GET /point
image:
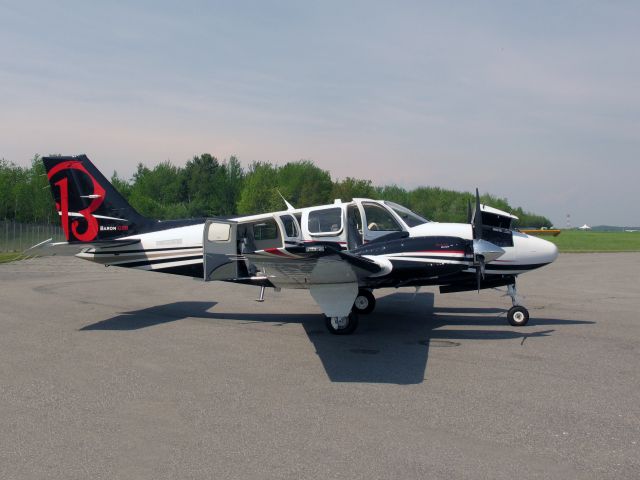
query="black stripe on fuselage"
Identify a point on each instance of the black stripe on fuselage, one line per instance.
(433, 244)
(167, 249)
(143, 263)
(511, 268)
(195, 270)
(413, 256)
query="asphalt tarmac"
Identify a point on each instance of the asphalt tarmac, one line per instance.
(121, 374)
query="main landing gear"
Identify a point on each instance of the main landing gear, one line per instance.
(518, 316)
(364, 303)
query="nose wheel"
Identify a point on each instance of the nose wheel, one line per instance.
(518, 316)
(342, 325)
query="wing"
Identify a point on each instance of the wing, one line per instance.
(332, 276)
(327, 265)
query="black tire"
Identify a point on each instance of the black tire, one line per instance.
(518, 316)
(365, 302)
(348, 329)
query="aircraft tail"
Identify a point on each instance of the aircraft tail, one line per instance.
(90, 208)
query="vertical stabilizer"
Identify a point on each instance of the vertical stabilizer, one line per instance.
(90, 208)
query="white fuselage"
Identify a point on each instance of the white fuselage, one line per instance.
(165, 250)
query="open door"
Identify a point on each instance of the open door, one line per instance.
(377, 220)
(220, 250)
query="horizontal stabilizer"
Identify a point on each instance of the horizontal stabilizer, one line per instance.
(50, 248)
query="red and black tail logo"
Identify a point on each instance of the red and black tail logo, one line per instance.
(89, 207)
(85, 227)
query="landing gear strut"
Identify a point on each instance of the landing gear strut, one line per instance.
(517, 315)
(365, 302)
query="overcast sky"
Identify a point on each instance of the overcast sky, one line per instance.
(538, 102)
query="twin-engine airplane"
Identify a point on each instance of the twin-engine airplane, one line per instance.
(339, 252)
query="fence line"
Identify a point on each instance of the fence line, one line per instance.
(18, 236)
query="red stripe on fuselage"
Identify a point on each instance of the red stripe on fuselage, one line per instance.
(275, 251)
(457, 252)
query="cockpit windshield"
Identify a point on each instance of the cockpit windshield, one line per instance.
(410, 218)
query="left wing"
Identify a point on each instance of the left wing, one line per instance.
(315, 265)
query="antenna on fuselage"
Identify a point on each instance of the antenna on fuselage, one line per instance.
(289, 206)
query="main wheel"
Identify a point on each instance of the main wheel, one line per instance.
(365, 302)
(518, 316)
(342, 325)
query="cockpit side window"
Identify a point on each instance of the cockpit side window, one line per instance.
(378, 218)
(410, 218)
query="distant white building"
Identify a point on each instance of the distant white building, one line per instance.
(584, 227)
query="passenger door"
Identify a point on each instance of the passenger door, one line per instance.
(220, 250)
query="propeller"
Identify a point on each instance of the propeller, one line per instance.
(477, 220)
(476, 227)
(483, 250)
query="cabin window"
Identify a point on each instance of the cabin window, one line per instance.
(267, 230)
(327, 221)
(290, 226)
(219, 232)
(379, 219)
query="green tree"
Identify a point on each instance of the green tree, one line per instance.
(206, 186)
(259, 191)
(303, 184)
(121, 185)
(351, 188)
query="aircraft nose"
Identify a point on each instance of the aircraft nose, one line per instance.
(549, 250)
(534, 250)
(544, 250)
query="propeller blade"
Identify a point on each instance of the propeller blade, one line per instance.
(479, 271)
(469, 213)
(477, 221)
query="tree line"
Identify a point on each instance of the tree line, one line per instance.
(206, 186)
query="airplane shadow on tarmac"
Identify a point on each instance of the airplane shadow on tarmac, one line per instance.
(391, 345)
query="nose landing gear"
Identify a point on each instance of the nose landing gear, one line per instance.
(364, 303)
(518, 316)
(342, 325)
